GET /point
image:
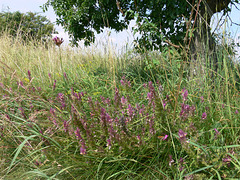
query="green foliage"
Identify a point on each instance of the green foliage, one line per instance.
(47, 94)
(157, 20)
(27, 25)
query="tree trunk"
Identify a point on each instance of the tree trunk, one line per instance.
(202, 45)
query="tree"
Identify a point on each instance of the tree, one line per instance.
(27, 25)
(157, 20)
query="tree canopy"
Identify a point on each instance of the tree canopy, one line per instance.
(28, 25)
(157, 20)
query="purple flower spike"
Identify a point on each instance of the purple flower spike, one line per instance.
(236, 112)
(29, 75)
(185, 95)
(57, 41)
(204, 115)
(83, 149)
(182, 136)
(77, 133)
(65, 75)
(109, 143)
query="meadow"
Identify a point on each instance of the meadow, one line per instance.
(87, 114)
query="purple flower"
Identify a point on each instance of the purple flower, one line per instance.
(227, 160)
(65, 75)
(202, 99)
(204, 115)
(77, 133)
(57, 41)
(54, 85)
(29, 75)
(236, 112)
(123, 100)
(83, 148)
(217, 132)
(182, 136)
(164, 104)
(130, 111)
(185, 94)
(109, 143)
(151, 126)
(52, 111)
(163, 137)
(66, 125)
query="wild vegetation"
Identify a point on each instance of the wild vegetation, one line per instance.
(88, 115)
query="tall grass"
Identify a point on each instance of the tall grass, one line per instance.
(87, 115)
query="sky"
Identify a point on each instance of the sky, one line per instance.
(118, 40)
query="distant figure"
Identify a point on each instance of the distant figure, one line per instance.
(58, 41)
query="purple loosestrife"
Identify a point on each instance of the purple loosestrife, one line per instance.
(204, 115)
(52, 111)
(130, 112)
(65, 75)
(117, 99)
(65, 125)
(103, 119)
(53, 119)
(87, 130)
(29, 75)
(61, 99)
(54, 84)
(106, 101)
(184, 94)
(151, 126)
(78, 135)
(83, 150)
(182, 136)
(109, 145)
(125, 82)
(58, 41)
(123, 101)
(141, 111)
(186, 111)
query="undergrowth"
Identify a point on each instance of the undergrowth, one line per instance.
(82, 115)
